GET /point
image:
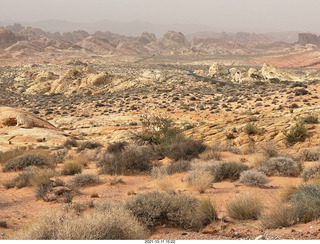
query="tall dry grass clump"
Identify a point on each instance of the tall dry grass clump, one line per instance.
(245, 206)
(112, 223)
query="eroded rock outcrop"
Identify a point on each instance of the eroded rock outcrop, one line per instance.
(15, 117)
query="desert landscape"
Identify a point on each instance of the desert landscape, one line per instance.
(210, 136)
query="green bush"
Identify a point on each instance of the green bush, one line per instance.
(87, 179)
(26, 160)
(281, 166)
(157, 130)
(311, 119)
(296, 133)
(227, 170)
(244, 206)
(113, 223)
(251, 129)
(131, 159)
(253, 178)
(155, 208)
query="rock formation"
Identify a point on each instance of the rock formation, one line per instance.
(15, 117)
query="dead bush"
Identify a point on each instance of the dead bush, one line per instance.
(279, 216)
(210, 154)
(88, 145)
(244, 206)
(199, 179)
(269, 150)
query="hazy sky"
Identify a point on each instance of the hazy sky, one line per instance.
(242, 15)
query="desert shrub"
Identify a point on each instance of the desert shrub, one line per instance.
(178, 167)
(279, 216)
(159, 172)
(157, 130)
(132, 158)
(287, 191)
(81, 180)
(227, 170)
(306, 202)
(182, 148)
(88, 145)
(269, 149)
(72, 167)
(199, 179)
(25, 160)
(165, 183)
(311, 119)
(117, 147)
(296, 132)
(42, 189)
(98, 225)
(70, 143)
(21, 180)
(250, 129)
(226, 148)
(310, 172)
(155, 208)
(58, 157)
(13, 153)
(210, 154)
(3, 224)
(308, 154)
(253, 178)
(208, 210)
(282, 166)
(244, 206)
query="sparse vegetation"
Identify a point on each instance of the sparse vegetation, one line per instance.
(278, 216)
(88, 145)
(253, 178)
(155, 208)
(296, 132)
(71, 167)
(269, 149)
(131, 159)
(244, 206)
(210, 154)
(106, 224)
(199, 179)
(282, 166)
(26, 160)
(311, 172)
(250, 129)
(308, 154)
(84, 179)
(311, 119)
(182, 148)
(157, 130)
(227, 170)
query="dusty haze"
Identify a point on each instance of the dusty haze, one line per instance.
(199, 15)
